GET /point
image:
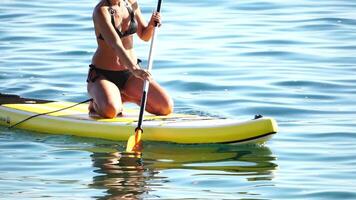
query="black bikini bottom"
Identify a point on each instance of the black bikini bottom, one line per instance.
(119, 78)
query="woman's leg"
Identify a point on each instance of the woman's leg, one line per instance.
(158, 100)
(106, 98)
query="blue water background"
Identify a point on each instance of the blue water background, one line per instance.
(294, 61)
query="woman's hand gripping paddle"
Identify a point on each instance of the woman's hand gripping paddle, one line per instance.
(134, 143)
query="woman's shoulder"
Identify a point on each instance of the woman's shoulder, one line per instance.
(132, 1)
(100, 10)
(133, 4)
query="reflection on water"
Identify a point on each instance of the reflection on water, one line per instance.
(124, 176)
(121, 175)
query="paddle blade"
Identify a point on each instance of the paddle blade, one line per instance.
(134, 143)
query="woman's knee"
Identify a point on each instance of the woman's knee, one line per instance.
(164, 107)
(168, 107)
(110, 110)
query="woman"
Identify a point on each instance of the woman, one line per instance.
(115, 76)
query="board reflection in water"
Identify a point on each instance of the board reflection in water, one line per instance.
(124, 176)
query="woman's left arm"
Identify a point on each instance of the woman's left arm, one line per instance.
(144, 30)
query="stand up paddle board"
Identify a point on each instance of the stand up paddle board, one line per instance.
(176, 128)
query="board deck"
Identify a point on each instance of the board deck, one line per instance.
(177, 128)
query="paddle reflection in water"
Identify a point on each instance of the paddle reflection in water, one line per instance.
(162, 164)
(122, 175)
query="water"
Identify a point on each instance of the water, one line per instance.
(291, 60)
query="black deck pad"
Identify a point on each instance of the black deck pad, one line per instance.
(14, 99)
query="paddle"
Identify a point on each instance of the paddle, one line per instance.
(134, 141)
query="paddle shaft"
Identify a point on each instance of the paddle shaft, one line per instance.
(149, 68)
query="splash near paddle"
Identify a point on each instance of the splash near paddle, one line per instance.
(134, 143)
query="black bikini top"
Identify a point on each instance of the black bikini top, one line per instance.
(132, 27)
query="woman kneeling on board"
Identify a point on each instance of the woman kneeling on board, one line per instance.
(115, 76)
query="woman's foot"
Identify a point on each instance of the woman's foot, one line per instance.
(92, 112)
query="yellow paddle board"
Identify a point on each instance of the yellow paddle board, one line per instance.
(176, 128)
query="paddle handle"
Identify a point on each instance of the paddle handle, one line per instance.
(159, 5)
(149, 68)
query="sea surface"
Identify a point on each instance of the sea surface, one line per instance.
(294, 61)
